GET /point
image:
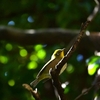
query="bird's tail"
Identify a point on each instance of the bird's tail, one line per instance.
(34, 83)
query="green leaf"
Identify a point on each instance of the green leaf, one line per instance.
(93, 64)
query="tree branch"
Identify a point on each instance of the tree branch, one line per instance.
(44, 36)
(84, 92)
(54, 73)
(72, 48)
(33, 92)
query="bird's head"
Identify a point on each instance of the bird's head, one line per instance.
(59, 53)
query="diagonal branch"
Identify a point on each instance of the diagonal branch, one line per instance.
(72, 48)
(95, 11)
(58, 67)
(54, 73)
(33, 92)
(75, 44)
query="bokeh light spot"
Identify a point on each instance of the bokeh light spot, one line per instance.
(8, 46)
(41, 54)
(32, 65)
(51, 5)
(79, 57)
(30, 19)
(70, 68)
(11, 23)
(23, 52)
(96, 98)
(66, 90)
(33, 57)
(3, 59)
(11, 82)
(98, 72)
(38, 47)
(63, 85)
(6, 73)
(87, 33)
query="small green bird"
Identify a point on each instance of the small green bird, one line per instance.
(44, 72)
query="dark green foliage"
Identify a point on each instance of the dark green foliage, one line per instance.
(17, 68)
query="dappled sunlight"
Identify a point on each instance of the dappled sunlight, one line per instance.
(3, 59)
(6, 74)
(32, 65)
(11, 82)
(98, 72)
(66, 90)
(30, 19)
(93, 64)
(91, 69)
(38, 47)
(70, 68)
(8, 46)
(97, 53)
(41, 54)
(31, 30)
(11, 23)
(64, 85)
(23, 52)
(87, 33)
(33, 57)
(79, 57)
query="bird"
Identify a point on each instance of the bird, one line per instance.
(44, 72)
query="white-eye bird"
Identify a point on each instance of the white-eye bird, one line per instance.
(44, 72)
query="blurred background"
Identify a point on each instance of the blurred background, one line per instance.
(20, 63)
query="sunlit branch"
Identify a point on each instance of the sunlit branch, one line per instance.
(33, 92)
(58, 67)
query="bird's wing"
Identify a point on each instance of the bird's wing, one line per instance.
(45, 67)
(63, 68)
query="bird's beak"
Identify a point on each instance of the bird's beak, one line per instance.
(64, 50)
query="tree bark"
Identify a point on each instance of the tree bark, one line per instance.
(49, 37)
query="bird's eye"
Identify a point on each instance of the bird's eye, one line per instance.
(58, 53)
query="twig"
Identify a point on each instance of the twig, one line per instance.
(95, 87)
(33, 92)
(95, 11)
(83, 93)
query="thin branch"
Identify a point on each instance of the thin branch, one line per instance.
(33, 92)
(95, 11)
(94, 87)
(58, 67)
(83, 93)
